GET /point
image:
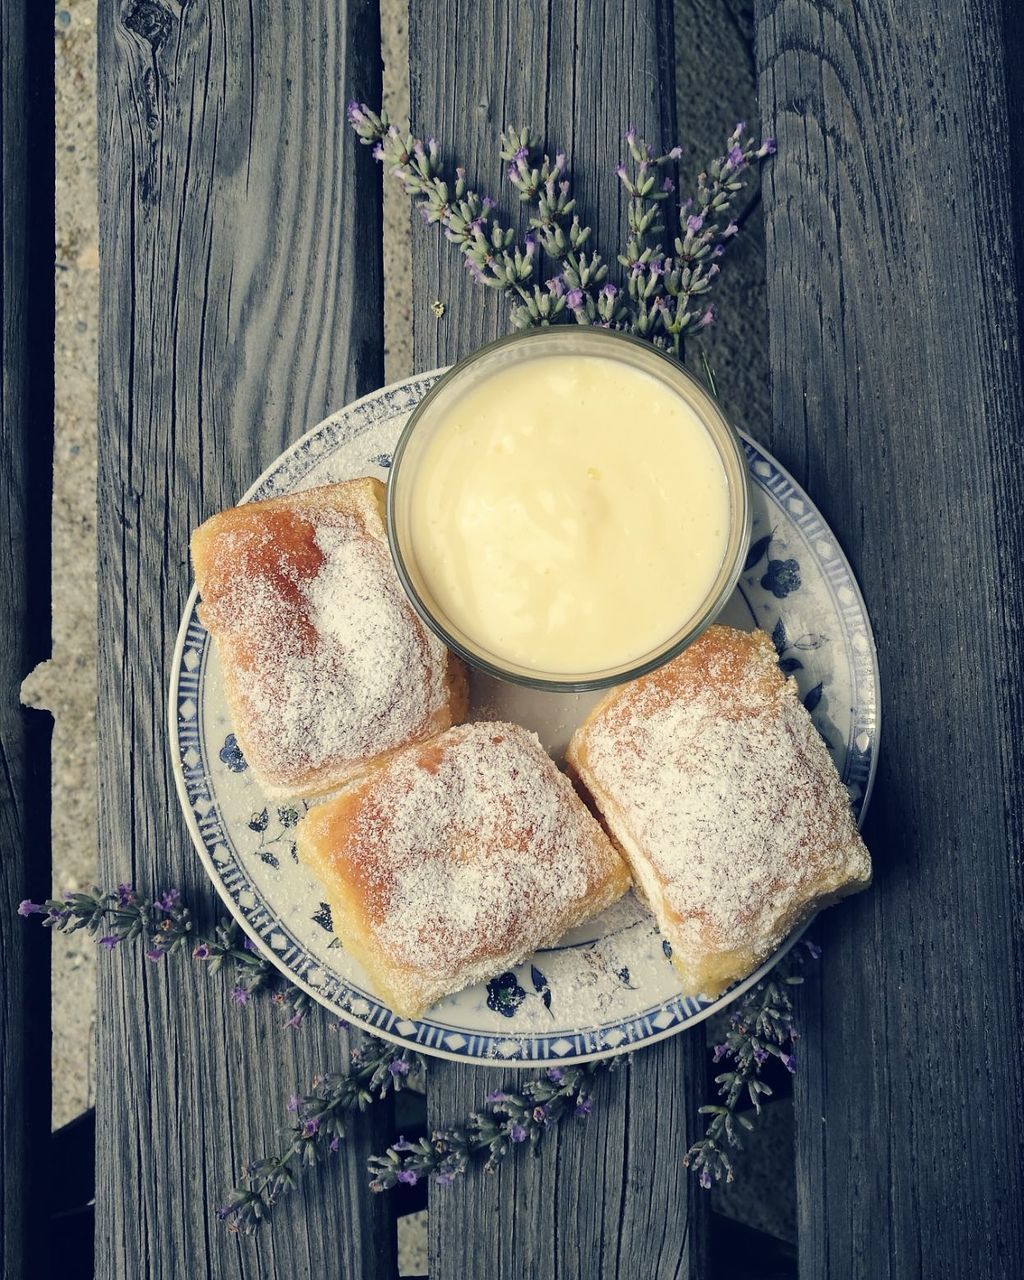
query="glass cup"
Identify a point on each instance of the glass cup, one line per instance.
(567, 340)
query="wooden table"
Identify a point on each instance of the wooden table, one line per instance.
(241, 301)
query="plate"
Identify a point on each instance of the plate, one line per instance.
(608, 987)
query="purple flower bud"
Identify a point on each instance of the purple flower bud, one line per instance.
(496, 1096)
(403, 1144)
(293, 1102)
(718, 250)
(720, 1051)
(250, 945)
(110, 942)
(730, 229)
(788, 1060)
(445, 1178)
(125, 894)
(739, 130)
(705, 1178)
(408, 1176)
(431, 144)
(559, 161)
(517, 1133)
(309, 1128)
(694, 223)
(28, 908)
(334, 1144)
(355, 113)
(377, 152)
(239, 995)
(686, 206)
(460, 173)
(767, 148)
(708, 318)
(201, 952)
(610, 292)
(154, 954)
(513, 173)
(556, 1074)
(760, 1056)
(735, 157)
(675, 153)
(574, 299)
(555, 286)
(419, 150)
(488, 204)
(637, 269)
(584, 1107)
(668, 185)
(813, 948)
(631, 135)
(530, 245)
(399, 1067)
(522, 154)
(294, 1021)
(168, 900)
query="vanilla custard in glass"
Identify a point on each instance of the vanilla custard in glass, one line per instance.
(570, 513)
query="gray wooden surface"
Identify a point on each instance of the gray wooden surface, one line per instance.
(608, 1197)
(894, 280)
(241, 300)
(26, 357)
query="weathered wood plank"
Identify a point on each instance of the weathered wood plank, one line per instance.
(241, 301)
(609, 1197)
(26, 356)
(894, 276)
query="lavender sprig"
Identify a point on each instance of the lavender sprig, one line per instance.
(320, 1125)
(665, 299)
(164, 925)
(509, 1120)
(669, 291)
(492, 256)
(763, 1025)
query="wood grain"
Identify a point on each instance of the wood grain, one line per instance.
(894, 277)
(609, 1197)
(241, 301)
(26, 356)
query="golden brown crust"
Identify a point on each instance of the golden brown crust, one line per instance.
(716, 787)
(455, 860)
(326, 667)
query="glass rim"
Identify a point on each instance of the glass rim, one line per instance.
(726, 442)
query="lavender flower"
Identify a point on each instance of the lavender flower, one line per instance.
(317, 1130)
(761, 1026)
(109, 942)
(28, 908)
(239, 995)
(517, 1133)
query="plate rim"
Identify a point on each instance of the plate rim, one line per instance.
(437, 1051)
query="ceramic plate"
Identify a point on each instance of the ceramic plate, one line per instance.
(608, 987)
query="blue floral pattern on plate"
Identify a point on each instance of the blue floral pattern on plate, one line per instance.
(608, 987)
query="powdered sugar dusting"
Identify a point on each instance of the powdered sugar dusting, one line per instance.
(332, 666)
(473, 851)
(718, 776)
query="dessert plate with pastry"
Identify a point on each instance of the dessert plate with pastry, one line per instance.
(520, 737)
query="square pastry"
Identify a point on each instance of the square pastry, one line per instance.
(717, 788)
(455, 860)
(327, 667)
